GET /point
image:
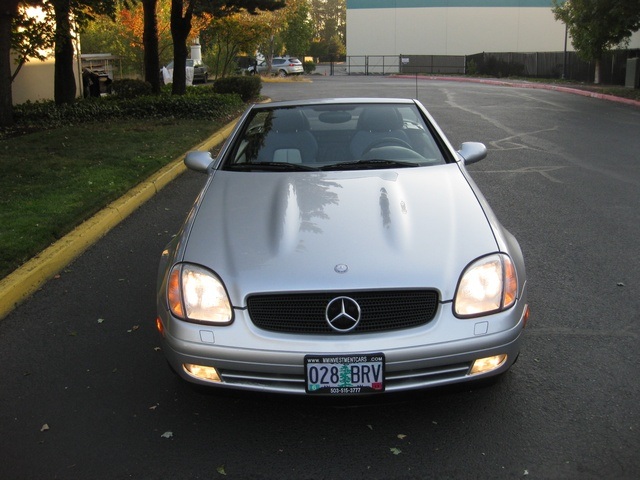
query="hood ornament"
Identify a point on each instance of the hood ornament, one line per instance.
(341, 268)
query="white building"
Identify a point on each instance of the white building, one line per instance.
(454, 27)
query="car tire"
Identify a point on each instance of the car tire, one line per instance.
(282, 73)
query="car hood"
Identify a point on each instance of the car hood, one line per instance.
(316, 231)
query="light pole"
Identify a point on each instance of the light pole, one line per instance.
(564, 61)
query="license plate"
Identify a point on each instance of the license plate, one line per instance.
(344, 374)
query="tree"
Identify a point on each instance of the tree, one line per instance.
(329, 20)
(7, 12)
(26, 36)
(298, 31)
(140, 36)
(182, 13)
(64, 84)
(31, 38)
(69, 16)
(598, 26)
(231, 36)
(151, 46)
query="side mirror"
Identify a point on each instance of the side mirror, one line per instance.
(472, 152)
(198, 161)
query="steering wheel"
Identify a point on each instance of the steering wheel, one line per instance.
(387, 142)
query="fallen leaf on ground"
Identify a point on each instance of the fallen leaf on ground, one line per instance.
(401, 436)
(221, 470)
(167, 435)
(45, 427)
(396, 451)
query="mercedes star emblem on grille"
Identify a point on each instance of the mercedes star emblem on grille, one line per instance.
(343, 314)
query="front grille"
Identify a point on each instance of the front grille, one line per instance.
(304, 313)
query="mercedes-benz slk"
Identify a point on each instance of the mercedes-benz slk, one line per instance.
(340, 247)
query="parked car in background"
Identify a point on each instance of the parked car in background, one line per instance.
(281, 66)
(200, 71)
(340, 247)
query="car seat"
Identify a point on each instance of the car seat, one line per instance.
(289, 139)
(374, 124)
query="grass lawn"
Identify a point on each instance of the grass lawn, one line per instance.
(50, 181)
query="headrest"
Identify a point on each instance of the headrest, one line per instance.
(380, 119)
(288, 121)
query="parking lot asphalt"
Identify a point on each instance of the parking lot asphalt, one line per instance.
(20, 284)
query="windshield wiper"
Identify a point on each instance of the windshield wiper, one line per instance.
(270, 166)
(369, 164)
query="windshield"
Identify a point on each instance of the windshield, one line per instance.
(335, 137)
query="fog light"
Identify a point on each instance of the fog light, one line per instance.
(488, 364)
(202, 372)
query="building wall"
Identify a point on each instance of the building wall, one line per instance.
(35, 81)
(453, 27)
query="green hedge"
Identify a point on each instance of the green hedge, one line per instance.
(129, 88)
(204, 105)
(248, 87)
(309, 67)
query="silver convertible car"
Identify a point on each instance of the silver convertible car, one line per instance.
(339, 247)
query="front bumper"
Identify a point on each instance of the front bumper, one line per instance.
(436, 354)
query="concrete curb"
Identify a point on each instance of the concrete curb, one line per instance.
(24, 281)
(532, 85)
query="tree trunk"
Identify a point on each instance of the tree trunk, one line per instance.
(7, 11)
(64, 86)
(180, 28)
(596, 79)
(150, 41)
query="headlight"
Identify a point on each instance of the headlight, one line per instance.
(194, 293)
(487, 285)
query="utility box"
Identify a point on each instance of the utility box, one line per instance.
(632, 79)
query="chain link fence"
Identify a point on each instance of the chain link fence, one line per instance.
(567, 65)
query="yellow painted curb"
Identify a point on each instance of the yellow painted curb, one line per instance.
(22, 282)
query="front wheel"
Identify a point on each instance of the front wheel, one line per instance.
(282, 73)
